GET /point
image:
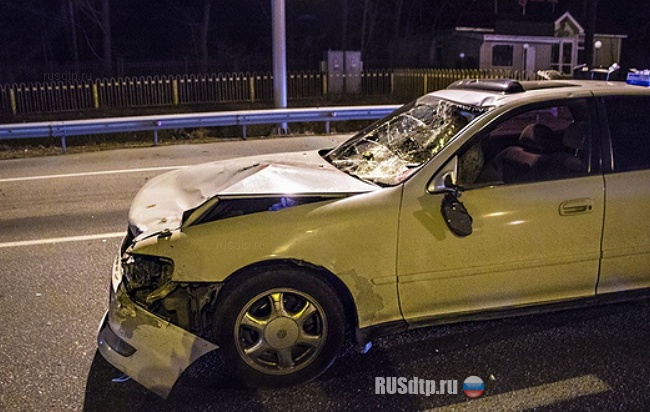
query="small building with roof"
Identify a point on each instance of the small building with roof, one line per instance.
(527, 42)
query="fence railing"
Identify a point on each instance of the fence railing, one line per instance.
(411, 83)
(125, 92)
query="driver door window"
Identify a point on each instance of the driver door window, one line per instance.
(541, 144)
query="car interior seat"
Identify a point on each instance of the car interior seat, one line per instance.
(569, 161)
(530, 160)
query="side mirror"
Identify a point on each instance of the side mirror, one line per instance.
(453, 211)
(445, 179)
(456, 216)
(449, 182)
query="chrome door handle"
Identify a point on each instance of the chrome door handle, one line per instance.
(576, 207)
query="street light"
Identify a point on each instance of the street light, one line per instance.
(279, 58)
(597, 45)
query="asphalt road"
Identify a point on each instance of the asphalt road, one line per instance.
(61, 220)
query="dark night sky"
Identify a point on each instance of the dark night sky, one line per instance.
(36, 31)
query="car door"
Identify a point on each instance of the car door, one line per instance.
(535, 238)
(626, 237)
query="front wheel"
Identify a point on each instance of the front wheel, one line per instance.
(279, 327)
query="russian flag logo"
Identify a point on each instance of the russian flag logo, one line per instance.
(473, 387)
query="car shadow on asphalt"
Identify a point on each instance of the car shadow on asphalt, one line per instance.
(509, 354)
(206, 386)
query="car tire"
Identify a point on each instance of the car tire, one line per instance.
(277, 327)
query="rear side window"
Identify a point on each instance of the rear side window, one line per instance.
(629, 126)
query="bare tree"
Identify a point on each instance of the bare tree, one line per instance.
(345, 14)
(203, 37)
(107, 42)
(100, 17)
(450, 8)
(399, 5)
(70, 14)
(196, 18)
(589, 12)
(368, 24)
(45, 23)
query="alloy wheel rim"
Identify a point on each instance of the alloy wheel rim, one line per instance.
(280, 331)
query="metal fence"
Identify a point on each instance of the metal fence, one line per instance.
(125, 92)
(407, 84)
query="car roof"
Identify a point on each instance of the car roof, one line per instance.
(497, 92)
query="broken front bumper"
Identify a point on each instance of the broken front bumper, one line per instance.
(144, 346)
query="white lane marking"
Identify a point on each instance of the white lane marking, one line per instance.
(103, 172)
(62, 240)
(533, 397)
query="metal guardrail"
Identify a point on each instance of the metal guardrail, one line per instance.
(64, 129)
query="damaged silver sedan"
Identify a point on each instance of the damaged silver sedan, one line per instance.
(271, 260)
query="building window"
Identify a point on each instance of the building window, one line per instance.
(502, 55)
(562, 57)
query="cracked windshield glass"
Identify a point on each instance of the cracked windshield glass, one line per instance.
(389, 151)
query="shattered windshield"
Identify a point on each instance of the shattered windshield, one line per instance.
(392, 149)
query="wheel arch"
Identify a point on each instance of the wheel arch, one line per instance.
(344, 295)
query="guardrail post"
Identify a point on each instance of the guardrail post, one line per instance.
(12, 99)
(95, 96)
(155, 132)
(64, 146)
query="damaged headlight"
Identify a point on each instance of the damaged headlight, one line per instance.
(147, 278)
(148, 282)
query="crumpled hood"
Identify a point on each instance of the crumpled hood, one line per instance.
(161, 202)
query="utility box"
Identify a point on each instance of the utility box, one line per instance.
(344, 69)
